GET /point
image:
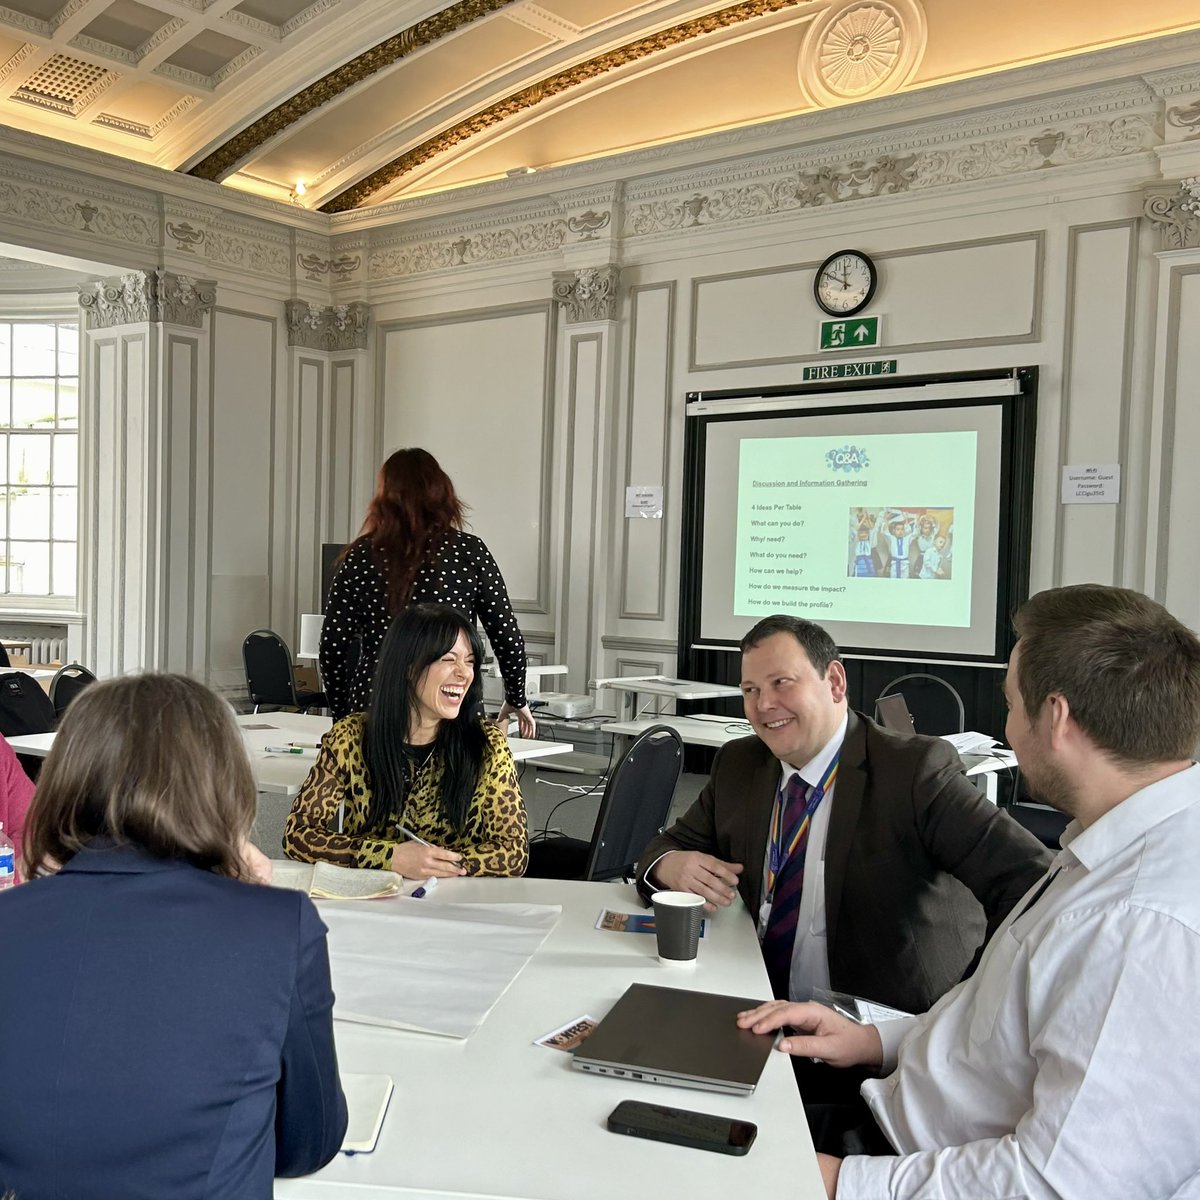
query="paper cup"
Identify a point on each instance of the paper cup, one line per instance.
(677, 920)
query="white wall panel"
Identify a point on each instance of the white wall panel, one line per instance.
(473, 390)
(242, 472)
(1096, 391)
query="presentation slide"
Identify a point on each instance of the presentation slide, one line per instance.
(876, 529)
(882, 525)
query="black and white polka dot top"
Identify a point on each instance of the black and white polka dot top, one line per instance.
(462, 573)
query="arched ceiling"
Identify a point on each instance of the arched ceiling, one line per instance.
(365, 101)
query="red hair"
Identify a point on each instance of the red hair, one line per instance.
(413, 509)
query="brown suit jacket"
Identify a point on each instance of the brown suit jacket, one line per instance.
(919, 865)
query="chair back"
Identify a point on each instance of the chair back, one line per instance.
(935, 704)
(636, 803)
(24, 707)
(269, 675)
(4, 660)
(67, 684)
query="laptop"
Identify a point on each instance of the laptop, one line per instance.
(893, 713)
(677, 1037)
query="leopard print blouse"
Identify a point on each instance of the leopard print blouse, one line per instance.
(493, 841)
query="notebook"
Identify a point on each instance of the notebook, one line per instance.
(677, 1037)
(367, 1099)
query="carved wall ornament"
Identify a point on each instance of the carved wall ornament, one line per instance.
(1175, 213)
(861, 48)
(589, 294)
(361, 192)
(186, 237)
(415, 257)
(588, 224)
(1186, 118)
(343, 267)
(333, 327)
(313, 266)
(1047, 143)
(143, 297)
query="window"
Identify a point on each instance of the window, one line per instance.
(39, 462)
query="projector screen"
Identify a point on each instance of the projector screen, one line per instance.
(889, 522)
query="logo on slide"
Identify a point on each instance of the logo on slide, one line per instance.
(848, 458)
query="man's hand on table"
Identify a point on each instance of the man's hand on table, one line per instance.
(702, 874)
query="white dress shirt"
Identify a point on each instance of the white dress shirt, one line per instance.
(1069, 1064)
(810, 951)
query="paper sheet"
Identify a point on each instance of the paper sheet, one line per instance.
(433, 968)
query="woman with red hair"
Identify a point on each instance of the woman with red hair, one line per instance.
(412, 548)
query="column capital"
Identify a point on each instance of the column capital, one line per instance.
(1174, 211)
(142, 297)
(589, 294)
(332, 327)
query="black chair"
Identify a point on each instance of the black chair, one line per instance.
(24, 706)
(1046, 824)
(67, 684)
(936, 707)
(4, 662)
(270, 678)
(634, 808)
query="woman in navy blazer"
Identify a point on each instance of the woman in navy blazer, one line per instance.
(165, 1026)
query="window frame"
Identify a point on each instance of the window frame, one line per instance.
(58, 308)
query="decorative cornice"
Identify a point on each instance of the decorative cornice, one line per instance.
(147, 297)
(589, 294)
(332, 328)
(553, 85)
(440, 25)
(1174, 211)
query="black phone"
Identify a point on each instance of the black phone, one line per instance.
(701, 1131)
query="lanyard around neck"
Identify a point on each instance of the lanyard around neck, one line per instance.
(783, 841)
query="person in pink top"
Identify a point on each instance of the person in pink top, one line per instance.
(16, 791)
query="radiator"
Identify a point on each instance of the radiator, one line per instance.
(47, 650)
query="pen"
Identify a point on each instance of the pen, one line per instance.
(283, 749)
(412, 837)
(305, 745)
(425, 888)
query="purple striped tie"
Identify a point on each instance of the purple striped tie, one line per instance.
(781, 925)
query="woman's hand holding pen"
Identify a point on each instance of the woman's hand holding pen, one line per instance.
(418, 859)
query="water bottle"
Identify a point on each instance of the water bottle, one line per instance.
(7, 861)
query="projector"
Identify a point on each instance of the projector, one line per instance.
(566, 705)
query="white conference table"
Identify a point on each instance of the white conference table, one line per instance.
(497, 1116)
(662, 687)
(284, 774)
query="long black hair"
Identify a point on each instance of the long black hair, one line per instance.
(418, 636)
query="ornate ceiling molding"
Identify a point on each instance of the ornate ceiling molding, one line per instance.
(330, 328)
(147, 296)
(1174, 211)
(226, 157)
(553, 85)
(589, 294)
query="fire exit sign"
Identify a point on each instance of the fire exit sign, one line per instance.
(849, 333)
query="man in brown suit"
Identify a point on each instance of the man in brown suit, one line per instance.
(906, 863)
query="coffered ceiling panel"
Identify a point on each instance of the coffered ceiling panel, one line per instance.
(368, 100)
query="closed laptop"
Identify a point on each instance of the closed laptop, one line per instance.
(677, 1037)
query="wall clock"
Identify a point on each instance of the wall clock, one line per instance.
(845, 283)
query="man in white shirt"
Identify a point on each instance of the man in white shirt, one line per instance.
(1067, 1065)
(903, 862)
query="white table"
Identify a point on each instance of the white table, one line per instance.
(700, 730)
(660, 687)
(284, 774)
(496, 1116)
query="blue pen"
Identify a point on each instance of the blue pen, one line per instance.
(425, 888)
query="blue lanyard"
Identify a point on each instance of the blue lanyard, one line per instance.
(784, 845)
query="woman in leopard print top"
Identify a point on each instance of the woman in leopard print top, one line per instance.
(426, 786)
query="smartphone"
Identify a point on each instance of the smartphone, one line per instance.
(701, 1131)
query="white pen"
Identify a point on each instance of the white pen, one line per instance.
(412, 837)
(284, 750)
(425, 888)
(306, 745)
